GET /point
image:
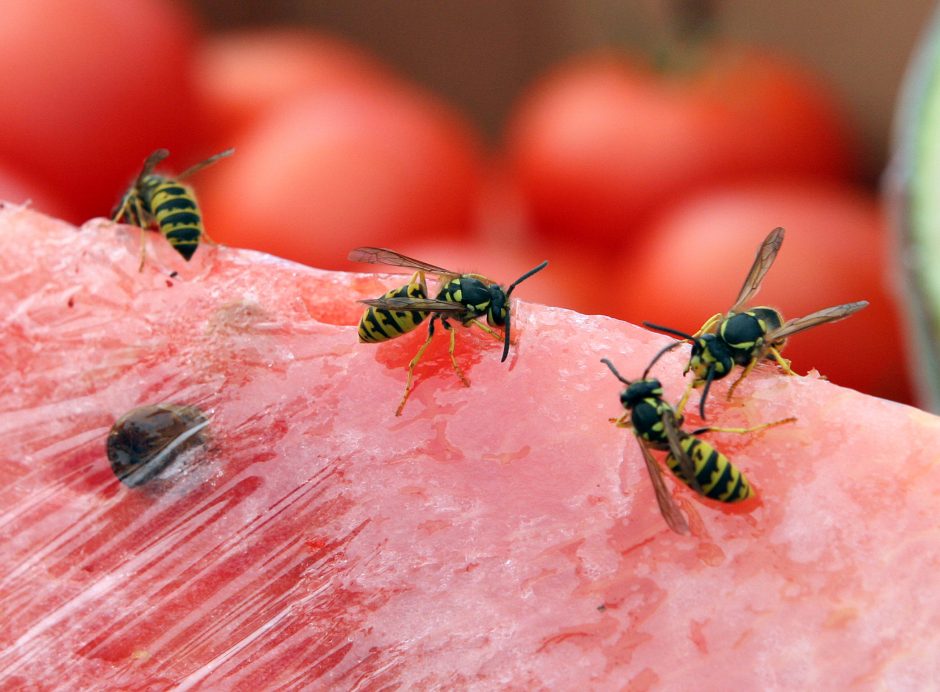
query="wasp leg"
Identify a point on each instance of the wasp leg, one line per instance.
(486, 328)
(783, 362)
(420, 279)
(709, 324)
(453, 360)
(744, 373)
(143, 249)
(623, 421)
(137, 215)
(409, 385)
(680, 407)
(744, 431)
(122, 210)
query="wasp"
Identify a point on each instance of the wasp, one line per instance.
(657, 425)
(463, 298)
(746, 337)
(168, 204)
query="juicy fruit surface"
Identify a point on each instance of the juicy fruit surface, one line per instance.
(503, 535)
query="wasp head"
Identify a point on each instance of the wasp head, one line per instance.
(638, 391)
(710, 359)
(498, 313)
(498, 309)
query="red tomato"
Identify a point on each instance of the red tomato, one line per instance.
(92, 88)
(17, 188)
(339, 168)
(604, 142)
(242, 75)
(695, 259)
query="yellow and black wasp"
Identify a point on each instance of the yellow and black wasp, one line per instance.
(168, 204)
(745, 337)
(657, 425)
(464, 298)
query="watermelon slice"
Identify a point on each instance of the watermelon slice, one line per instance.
(502, 535)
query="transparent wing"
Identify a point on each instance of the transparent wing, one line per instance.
(152, 162)
(415, 304)
(766, 254)
(667, 506)
(674, 436)
(798, 324)
(202, 164)
(379, 255)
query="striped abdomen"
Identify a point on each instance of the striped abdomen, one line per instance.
(720, 479)
(380, 324)
(173, 208)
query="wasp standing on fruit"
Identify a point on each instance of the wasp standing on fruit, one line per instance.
(746, 337)
(464, 298)
(167, 203)
(657, 425)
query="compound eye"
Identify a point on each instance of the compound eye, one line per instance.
(698, 367)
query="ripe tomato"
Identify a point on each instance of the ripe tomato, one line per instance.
(17, 188)
(92, 88)
(602, 143)
(694, 261)
(338, 168)
(240, 76)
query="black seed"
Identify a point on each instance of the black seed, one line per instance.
(147, 440)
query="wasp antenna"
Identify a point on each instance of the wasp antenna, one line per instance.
(668, 330)
(208, 162)
(157, 156)
(708, 385)
(662, 351)
(620, 377)
(526, 276)
(505, 338)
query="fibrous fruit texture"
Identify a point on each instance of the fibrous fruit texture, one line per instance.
(499, 535)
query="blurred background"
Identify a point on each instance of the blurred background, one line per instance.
(644, 147)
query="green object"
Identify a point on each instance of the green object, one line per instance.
(913, 182)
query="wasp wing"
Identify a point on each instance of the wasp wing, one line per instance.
(152, 162)
(380, 255)
(405, 303)
(798, 324)
(667, 506)
(766, 254)
(685, 463)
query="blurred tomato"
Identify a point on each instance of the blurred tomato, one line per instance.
(17, 188)
(240, 76)
(338, 168)
(91, 88)
(695, 259)
(604, 142)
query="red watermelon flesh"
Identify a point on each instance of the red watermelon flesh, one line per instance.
(502, 535)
